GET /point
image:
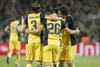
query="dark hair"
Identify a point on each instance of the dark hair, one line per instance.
(54, 10)
(36, 7)
(64, 10)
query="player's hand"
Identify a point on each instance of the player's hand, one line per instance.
(27, 31)
(77, 30)
(61, 19)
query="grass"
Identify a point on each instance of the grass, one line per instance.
(91, 61)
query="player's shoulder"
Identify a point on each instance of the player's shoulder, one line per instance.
(42, 15)
(12, 22)
(70, 17)
(30, 14)
(15, 22)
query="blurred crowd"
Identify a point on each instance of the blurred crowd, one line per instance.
(85, 12)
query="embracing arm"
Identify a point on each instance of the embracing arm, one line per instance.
(35, 31)
(72, 31)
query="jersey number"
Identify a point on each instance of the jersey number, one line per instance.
(34, 24)
(54, 28)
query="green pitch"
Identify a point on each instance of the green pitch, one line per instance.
(93, 61)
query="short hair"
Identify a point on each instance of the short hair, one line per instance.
(54, 10)
(64, 10)
(36, 7)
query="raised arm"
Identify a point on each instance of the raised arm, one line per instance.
(22, 27)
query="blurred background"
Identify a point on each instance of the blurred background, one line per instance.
(85, 12)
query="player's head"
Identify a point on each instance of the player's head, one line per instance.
(63, 11)
(36, 7)
(55, 10)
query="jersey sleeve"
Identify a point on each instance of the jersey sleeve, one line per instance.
(71, 23)
(43, 20)
(63, 24)
(26, 20)
(42, 16)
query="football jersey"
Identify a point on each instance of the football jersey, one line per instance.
(13, 30)
(32, 21)
(66, 37)
(53, 31)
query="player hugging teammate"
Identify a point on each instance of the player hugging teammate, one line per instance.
(50, 38)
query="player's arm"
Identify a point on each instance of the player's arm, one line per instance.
(35, 31)
(72, 31)
(23, 25)
(71, 23)
(7, 29)
(19, 26)
(64, 26)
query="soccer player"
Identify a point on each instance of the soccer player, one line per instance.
(52, 38)
(13, 40)
(68, 40)
(33, 42)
